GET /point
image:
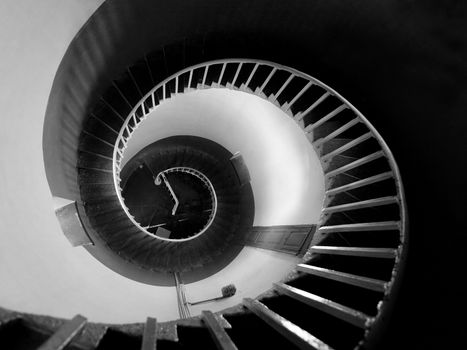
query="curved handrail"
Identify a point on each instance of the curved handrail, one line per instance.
(198, 174)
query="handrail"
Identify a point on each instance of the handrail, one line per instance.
(198, 174)
(125, 129)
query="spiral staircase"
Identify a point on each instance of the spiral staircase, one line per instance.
(341, 294)
(347, 277)
(140, 245)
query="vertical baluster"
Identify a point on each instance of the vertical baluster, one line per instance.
(150, 335)
(236, 74)
(65, 334)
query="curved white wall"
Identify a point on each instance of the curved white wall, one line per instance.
(286, 174)
(39, 271)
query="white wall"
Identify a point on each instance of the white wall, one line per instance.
(39, 271)
(286, 174)
(264, 268)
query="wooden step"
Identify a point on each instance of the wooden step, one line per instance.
(355, 280)
(330, 307)
(292, 332)
(369, 203)
(384, 253)
(367, 226)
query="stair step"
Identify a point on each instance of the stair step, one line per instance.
(357, 184)
(355, 164)
(384, 253)
(355, 280)
(368, 226)
(330, 307)
(362, 204)
(62, 337)
(219, 335)
(347, 146)
(289, 330)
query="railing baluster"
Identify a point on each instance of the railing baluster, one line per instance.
(315, 104)
(150, 335)
(276, 96)
(355, 280)
(346, 147)
(190, 79)
(252, 74)
(205, 75)
(292, 332)
(219, 335)
(237, 73)
(274, 70)
(65, 334)
(222, 74)
(360, 183)
(328, 116)
(355, 164)
(305, 88)
(330, 307)
(381, 253)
